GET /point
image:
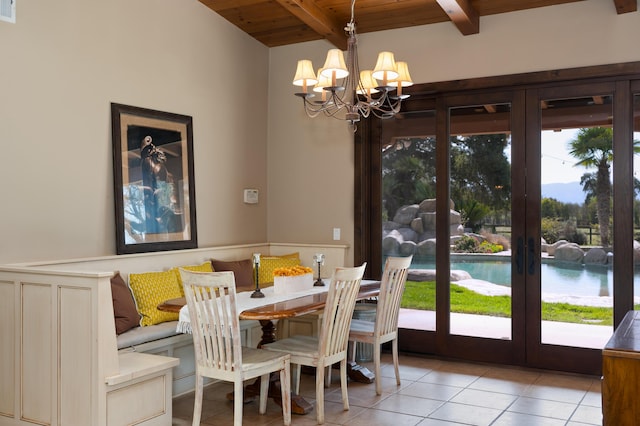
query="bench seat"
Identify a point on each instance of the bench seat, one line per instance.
(139, 335)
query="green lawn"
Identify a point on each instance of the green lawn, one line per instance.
(422, 295)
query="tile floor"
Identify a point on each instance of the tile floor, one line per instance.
(433, 392)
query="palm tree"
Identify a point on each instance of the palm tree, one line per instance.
(593, 147)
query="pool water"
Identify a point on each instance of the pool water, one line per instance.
(578, 280)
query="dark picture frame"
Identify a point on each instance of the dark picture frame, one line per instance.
(154, 186)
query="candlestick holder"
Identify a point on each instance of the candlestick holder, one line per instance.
(256, 266)
(318, 258)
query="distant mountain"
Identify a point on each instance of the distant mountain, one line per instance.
(570, 192)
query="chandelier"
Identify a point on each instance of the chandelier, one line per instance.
(359, 93)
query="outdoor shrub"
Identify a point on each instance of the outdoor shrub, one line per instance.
(472, 213)
(466, 244)
(572, 234)
(487, 247)
(497, 239)
(550, 229)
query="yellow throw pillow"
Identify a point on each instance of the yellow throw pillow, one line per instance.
(269, 263)
(152, 288)
(205, 267)
(289, 255)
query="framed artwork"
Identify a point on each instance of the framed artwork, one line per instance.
(154, 187)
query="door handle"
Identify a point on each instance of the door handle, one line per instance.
(520, 256)
(531, 259)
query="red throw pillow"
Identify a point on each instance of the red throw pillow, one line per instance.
(124, 307)
(242, 271)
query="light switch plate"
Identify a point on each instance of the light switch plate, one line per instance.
(251, 196)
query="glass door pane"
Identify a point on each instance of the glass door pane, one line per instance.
(408, 212)
(576, 221)
(636, 203)
(480, 221)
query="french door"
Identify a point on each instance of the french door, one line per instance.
(501, 161)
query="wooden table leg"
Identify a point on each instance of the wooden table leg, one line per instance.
(298, 404)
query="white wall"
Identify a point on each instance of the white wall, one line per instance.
(312, 159)
(65, 61)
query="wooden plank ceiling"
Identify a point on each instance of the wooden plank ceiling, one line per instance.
(282, 22)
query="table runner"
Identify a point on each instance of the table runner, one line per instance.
(245, 302)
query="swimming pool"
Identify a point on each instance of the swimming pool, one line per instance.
(578, 280)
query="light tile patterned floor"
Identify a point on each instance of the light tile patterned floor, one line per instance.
(433, 393)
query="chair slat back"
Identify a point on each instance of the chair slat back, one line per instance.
(394, 279)
(341, 299)
(211, 299)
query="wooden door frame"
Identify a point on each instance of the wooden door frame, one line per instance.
(368, 184)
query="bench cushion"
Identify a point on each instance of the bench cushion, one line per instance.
(139, 335)
(124, 307)
(269, 263)
(151, 289)
(204, 267)
(242, 272)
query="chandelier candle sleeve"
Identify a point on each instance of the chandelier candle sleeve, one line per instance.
(323, 81)
(403, 79)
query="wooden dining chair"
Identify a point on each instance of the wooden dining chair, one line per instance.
(385, 327)
(330, 346)
(211, 300)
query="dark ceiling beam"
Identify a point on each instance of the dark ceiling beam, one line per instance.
(625, 6)
(463, 15)
(309, 13)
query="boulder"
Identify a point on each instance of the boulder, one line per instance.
(456, 230)
(391, 242)
(407, 248)
(636, 252)
(551, 249)
(430, 275)
(428, 221)
(406, 214)
(459, 275)
(596, 256)
(454, 217)
(416, 225)
(390, 225)
(569, 252)
(428, 205)
(426, 247)
(543, 245)
(407, 234)
(421, 275)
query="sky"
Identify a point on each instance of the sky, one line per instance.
(556, 162)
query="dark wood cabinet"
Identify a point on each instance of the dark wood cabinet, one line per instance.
(621, 374)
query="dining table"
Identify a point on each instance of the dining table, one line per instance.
(274, 307)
